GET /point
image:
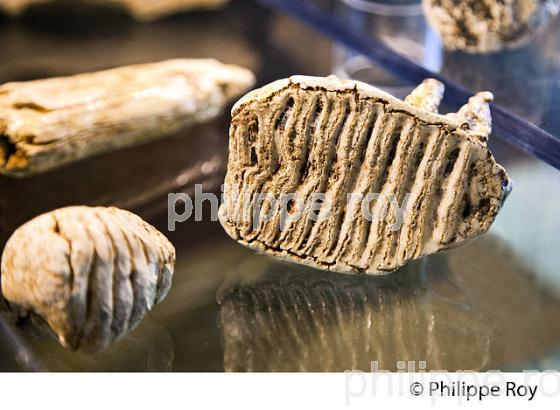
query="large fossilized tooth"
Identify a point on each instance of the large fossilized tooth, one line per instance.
(47, 123)
(140, 9)
(484, 26)
(347, 140)
(90, 273)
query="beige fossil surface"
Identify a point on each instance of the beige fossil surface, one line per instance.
(143, 10)
(344, 139)
(89, 273)
(48, 123)
(485, 26)
(151, 10)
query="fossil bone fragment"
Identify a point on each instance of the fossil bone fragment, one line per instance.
(304, 136)
(90, 273)
(485, 26)
(140, 9)
(47, 123)
(151, 10)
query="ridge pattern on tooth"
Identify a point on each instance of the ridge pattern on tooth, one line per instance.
(307, 135)
(487, 26)
(90, 273)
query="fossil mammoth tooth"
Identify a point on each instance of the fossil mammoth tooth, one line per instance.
(90, 273)
(345, 139)
(486, 26)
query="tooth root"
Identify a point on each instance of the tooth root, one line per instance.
(427, 95)
(476, 115)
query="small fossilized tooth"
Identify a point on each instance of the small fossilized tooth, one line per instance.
(485, 26)
(90, 273)
(398, 181)
(47, 123)
(140, 9)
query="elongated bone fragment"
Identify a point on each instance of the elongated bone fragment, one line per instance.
(486, 26)
(47, 123)
(397, 179)
(141, 9)
(90, 273)
(151, 10)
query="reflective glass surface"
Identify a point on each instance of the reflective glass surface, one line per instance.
(491, 304)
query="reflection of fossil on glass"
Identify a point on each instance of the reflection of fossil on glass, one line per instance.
(297, 320)
(486, 313)
(140, 9)
(485, 26)
(305, 136)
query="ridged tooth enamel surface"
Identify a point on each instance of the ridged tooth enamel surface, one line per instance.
(485, 26)
(308, 135)
(91, 273)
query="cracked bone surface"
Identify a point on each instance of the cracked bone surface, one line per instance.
(344, 139)
(48, 123)
(141, 9)
(90, 273)
(485, 26)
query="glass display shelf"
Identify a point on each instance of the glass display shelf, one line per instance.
(491, 304)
